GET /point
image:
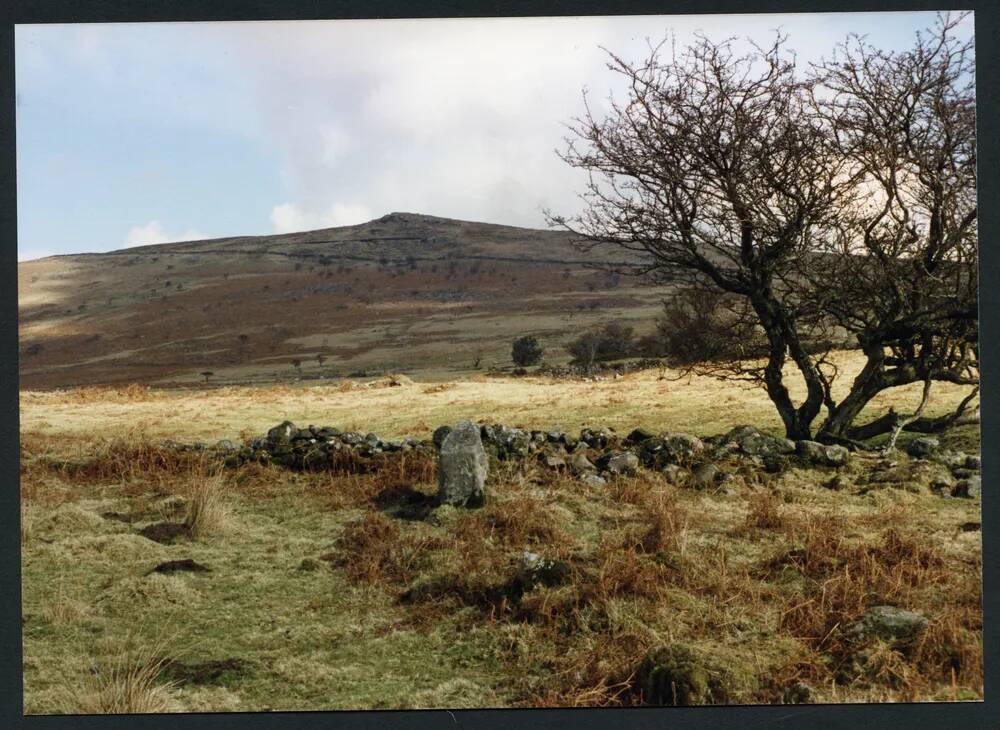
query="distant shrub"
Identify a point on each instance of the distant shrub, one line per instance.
(613, 341)
(526, 351)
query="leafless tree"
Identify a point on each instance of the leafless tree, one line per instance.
(835, 205)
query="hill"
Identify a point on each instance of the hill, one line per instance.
(406, 292)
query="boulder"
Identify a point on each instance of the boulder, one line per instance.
(974, 462)
(462, 467)
(620, 462)
(753, 442)
(822, 454)
(887, 623)
(922, 447)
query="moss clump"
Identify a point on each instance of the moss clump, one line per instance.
(676, 675)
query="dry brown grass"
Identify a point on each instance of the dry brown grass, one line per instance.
(374, 549)
(126, 683)
(209, 513)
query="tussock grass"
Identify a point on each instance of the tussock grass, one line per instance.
(127, 682)
(208, 511)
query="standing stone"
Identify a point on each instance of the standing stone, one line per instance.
(462, 467)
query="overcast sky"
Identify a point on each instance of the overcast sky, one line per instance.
(130, 134)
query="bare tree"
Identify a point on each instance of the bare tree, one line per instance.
(206, 375)
(737, 173)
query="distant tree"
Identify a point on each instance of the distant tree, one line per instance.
(583, 350)
(321, 359)
(526, 351)
(207, 374)
(477, 359)
(296, 363)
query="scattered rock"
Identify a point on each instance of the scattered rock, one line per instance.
(971, 488)
(178, 566)
(923, 447)
(462, 467)
(673, 473)
(974, 462)
(705, 476)
(971, 526)
(620, 463)
(753, 442)
(822, 454)
(674, 675)
(887, 623)
(553, 459)
(593, 480)
(580, 464)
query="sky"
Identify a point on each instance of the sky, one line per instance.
(137, 133)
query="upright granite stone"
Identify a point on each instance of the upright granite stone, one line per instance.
(462, 467)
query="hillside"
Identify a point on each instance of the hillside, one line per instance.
(412, 293)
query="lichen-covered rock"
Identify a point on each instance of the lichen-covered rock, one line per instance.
(822, 454)
(593, 480)
(598, 438)
(462, 467)
(887, 623)
(922, 447)
(674, 675)
(509, 443)
(753, 442)
(580, 464)
(619, 463)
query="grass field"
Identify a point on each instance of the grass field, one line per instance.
(316, 597)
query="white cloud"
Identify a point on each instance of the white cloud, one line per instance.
(153, 233)
(290, 218)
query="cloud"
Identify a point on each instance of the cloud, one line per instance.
(289, 218)
(153, 233)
